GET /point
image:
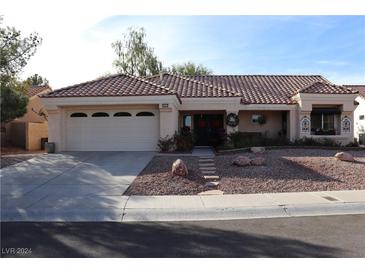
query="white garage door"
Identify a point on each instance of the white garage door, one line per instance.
(116, 130)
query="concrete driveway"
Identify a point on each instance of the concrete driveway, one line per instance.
(77, 186)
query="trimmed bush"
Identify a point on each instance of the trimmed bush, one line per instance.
(184, 141)
(166, 144)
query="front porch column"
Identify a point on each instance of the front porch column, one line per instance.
(293, 125)
(55, 128)
(230, 129)
(169, 121)
(347, 124)
(305, 124)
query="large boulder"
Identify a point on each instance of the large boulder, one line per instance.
(344, 156)
(258, 161)
(257, 149)
(241, 161)
(179, 168)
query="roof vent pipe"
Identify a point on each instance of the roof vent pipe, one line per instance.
(161, 75)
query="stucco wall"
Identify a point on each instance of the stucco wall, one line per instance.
(34, 133)
(359, 126)
(36, 104)
(272, 126)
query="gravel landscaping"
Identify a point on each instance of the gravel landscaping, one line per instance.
(156, 178)
(12, 160)
(292, 170)
(286, 170)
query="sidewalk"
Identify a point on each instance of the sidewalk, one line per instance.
(243, 206)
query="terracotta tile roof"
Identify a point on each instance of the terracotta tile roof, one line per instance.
(34, 90)
(359, 88)
(115, 85)
(253, 89)
(326, 88)
(188, 87)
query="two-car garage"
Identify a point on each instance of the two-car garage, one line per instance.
(112, 129)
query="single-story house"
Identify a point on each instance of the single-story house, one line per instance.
(124, 112)
(27, 131)
(359, 114)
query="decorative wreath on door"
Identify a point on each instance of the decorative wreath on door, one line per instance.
(232, 120)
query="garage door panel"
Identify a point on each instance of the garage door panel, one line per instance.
(126, 133)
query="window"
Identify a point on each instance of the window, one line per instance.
(78, 114)
(362, 117)
(145, 113)
(187, 121)
(255, 118)
(100, 114)
(122, 114)
(323, 121)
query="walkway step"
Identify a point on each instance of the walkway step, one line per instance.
(211, 177)
(207, 168)
(207, 172)
(206, 160)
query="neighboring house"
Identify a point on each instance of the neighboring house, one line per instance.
(359, 113)
(124, 112)
(26, 132)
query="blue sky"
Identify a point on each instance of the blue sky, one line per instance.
(333, 46)
(330, 45)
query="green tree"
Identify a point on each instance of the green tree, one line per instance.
(15, 52)
(189, 69)
(134, 56)
(37, 80)
(13, 103)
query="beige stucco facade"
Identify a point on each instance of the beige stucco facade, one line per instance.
(271, 128)
(345, 102)
(359, 117)
(27, 131)
(171, 109)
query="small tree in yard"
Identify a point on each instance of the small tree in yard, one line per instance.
(13, 104)
(189, 69)
(134, 56)
(37, 80)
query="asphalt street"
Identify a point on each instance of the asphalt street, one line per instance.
(321, 236)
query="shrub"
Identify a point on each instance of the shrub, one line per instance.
(166, 144)
(355, 143)
(244, 139)
(184, 141)
(307, 141)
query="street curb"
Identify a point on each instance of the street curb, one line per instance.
(206, 214)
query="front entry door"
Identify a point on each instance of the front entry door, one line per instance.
(207, 129)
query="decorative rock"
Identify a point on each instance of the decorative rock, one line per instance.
(258, 161)
(241, 161)
(344, 156)
(211, 184)
(257, 149)
(212, 192)
(179, 168)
